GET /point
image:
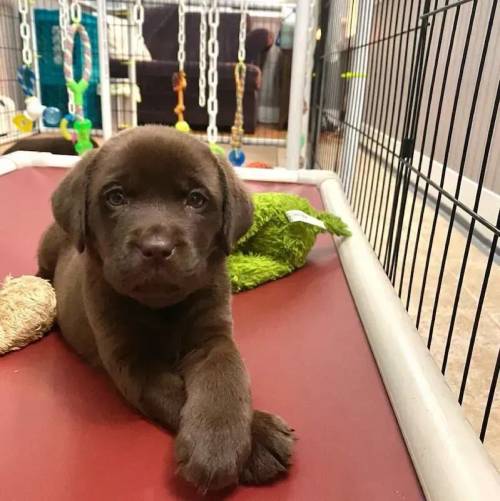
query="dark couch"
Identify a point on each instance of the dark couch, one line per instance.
(155, 77)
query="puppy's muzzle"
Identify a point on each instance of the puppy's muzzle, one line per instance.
(154, 247)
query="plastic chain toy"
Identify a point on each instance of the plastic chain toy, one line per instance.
(64, 22)
(82, 125)
(27, 81)
(179, 79)
(213, 79)
(236, 155)
(202, 80)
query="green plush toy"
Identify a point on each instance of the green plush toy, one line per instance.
(283, 232)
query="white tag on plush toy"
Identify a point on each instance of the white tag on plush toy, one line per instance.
(297, 215)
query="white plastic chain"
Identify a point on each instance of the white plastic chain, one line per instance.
(63, 32)
(181, 37)
(75, 12)
(25, 31)
(202, 81)
(243, 31)
(63, 20)
(138, 20)
(213, 79)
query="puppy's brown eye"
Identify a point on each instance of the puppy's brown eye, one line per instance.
(196, 199)
(116, 197)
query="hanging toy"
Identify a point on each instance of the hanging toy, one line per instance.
(179, 79)
(26, 79)
(236, 155)
(179, 84)
(82, 125)
(213, 78)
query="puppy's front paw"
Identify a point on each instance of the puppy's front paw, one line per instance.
(272, 443)
(212, 458)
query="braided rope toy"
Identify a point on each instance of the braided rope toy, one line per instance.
(82, 125)
(27, 311)
(236, 155)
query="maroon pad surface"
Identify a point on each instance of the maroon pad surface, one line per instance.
(66, 435)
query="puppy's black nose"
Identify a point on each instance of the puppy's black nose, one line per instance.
(156, 247)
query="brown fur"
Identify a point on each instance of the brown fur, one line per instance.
(143, 291)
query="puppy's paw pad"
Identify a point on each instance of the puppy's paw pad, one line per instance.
(272, 444)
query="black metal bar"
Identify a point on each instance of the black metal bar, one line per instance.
(372, 124)
(318, 93)
(447, 150)
(354, 97)
(477, 217)
(398, 134)
(479, 310)
(411, 148)
(387, 130)
(461, 171)
(369, 90)
(393, 132)
(402, 176)
(368, 136)
(445, 8)
(491, 396)
(414, 103)
(381, 128)
(345, 87)
(377, 165)
(471, 227)
(389, 37)
(422, 149)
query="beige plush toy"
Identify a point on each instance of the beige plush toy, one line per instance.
(27, 311)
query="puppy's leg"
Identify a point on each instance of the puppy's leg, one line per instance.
(147, 385)
(214, 439)
(53, 240)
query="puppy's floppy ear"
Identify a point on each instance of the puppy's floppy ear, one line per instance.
(69, 201)
(237, 208)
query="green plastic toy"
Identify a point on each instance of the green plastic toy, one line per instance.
(83, 129)
(279, 240)
(82, 125)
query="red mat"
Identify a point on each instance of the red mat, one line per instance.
(66, 435)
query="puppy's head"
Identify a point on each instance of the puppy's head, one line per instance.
(156, 209)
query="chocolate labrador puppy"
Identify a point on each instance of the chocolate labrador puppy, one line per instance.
(137, 256)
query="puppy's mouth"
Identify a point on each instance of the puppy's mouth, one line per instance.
(157, 295)
(152, 285)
